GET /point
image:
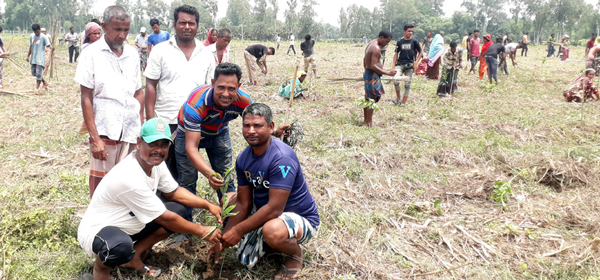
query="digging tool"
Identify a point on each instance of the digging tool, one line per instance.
(292, 93)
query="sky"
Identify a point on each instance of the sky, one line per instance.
(327, 11)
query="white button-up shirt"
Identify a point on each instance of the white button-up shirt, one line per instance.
(177, 76)
(114, 81)
(213, 50)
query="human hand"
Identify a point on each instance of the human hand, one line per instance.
(99, 149)
(27, 59)
(284, 128)
(216, 211)
(392, 72)
(215, 182)
(216, 249)
(264, 71)
(230, 238)
(213, 237)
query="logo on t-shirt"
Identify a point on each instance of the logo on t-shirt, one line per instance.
(259, 181)
(283, 171)
(406, 47)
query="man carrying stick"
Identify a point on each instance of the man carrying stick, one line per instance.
(373, 72)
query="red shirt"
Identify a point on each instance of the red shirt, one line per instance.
(590, 43)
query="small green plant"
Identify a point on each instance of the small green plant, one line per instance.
(437, 205)
(502, 190)
(225, 208)
(361, 102)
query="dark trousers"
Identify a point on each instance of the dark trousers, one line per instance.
(73, 49)
(551, 50)
(115, 247)
(291, 48)
(171, 160)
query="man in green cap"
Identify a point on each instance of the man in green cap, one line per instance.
(125, 217)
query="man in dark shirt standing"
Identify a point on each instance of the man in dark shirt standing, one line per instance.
(307, 51)
(590, 43)
(257, 53)
(405, 62)
(491, 58)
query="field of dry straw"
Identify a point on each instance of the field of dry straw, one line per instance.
(419, 196)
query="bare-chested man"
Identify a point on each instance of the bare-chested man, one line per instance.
(374, 71)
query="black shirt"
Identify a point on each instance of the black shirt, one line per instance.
(307, 47)
(407, 50)
(258, 50)
(494, 50)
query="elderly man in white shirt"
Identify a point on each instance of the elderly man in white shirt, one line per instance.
(220, 50)
(175, 68)
(111, 95)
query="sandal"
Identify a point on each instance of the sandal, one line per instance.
(286, 273)
(145, 271)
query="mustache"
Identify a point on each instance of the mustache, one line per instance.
(161, 155)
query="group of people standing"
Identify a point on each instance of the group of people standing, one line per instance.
(148, 139)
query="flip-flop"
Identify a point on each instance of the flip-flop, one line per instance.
(286, 273)
(146, 269)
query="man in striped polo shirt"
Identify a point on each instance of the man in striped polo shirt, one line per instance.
(203, 124)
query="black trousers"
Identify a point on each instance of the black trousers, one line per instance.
(291, 48)
(73, 49)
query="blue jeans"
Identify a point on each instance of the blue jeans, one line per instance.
(220, 155)
(492, 64)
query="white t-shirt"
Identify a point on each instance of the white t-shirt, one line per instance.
(278, 39)
(510, 47)
(525, 39)
(292, 38)
(126, 199)
(177, 76)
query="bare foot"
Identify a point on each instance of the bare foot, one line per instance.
(369, 125)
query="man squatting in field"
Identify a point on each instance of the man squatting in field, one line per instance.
(374, 71)
(276, 209)
(125, 218)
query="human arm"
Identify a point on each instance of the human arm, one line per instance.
(273, 209)
(375, 64)
(186, 198)
(264, 63)
(98, 149)
(139, 96)
(592, 53)
(192, 139)
(176, 223)
(149, 48)
(150, 98)
(395, 58)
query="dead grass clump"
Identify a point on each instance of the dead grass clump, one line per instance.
(454, 157)
(564, 174)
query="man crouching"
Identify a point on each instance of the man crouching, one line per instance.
(125, 217)
(275, 207)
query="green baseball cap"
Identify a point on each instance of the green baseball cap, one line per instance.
(155, 129)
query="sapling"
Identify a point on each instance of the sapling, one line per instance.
(361, 102)
(225, 208)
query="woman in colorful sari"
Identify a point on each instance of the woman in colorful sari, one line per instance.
(483, 69)
(452, 62)
(582, 88)
(435, 53)
(211, 38)
(563, 51)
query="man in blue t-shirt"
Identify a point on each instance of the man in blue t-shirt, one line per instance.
(275, 206)
(38, 43)
(405, 63)
(157, 36)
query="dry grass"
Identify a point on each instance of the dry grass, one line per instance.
(375, 188)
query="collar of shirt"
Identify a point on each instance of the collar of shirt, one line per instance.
(197, 49)
(104, 47)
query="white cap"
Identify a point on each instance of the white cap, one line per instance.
(143, 29)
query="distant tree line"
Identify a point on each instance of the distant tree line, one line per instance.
(257, 19)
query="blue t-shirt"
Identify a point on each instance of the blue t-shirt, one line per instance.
(38, 48)
(154, 38)
(277, 168)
